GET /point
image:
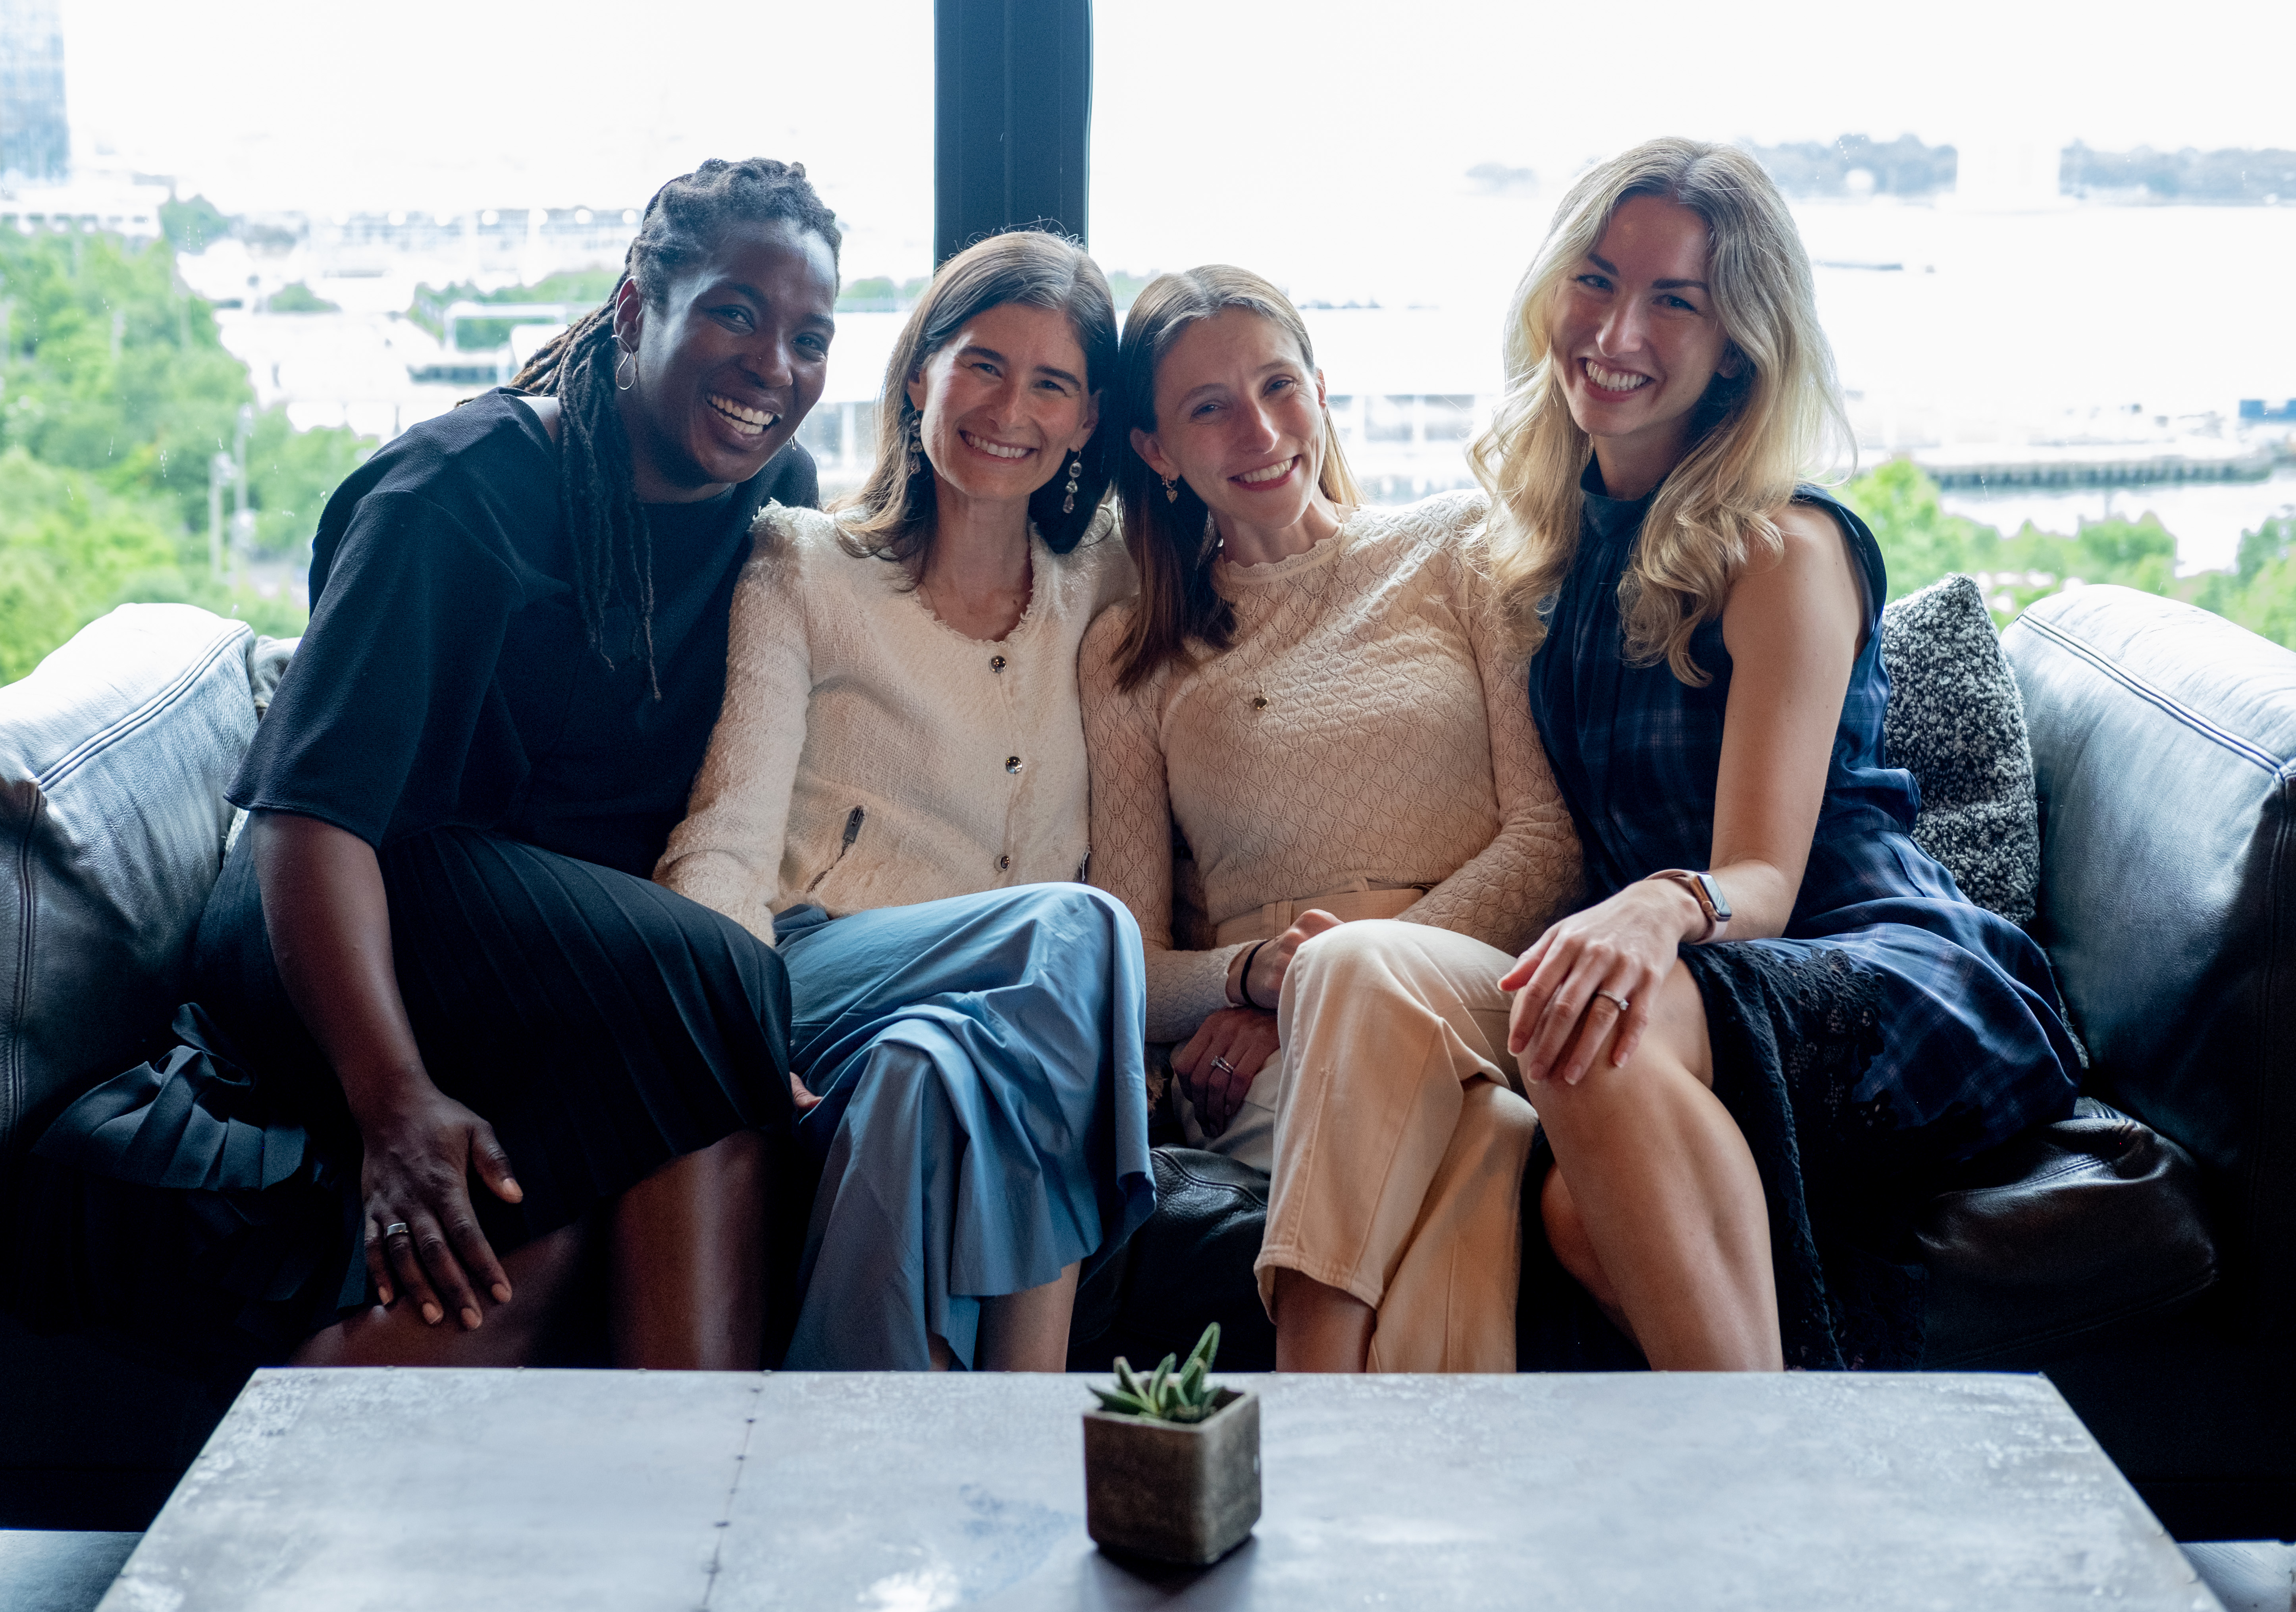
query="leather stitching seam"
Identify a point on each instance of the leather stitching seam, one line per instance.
(148, 711)
(2167, 702)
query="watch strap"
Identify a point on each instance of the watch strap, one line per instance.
(1707, 893)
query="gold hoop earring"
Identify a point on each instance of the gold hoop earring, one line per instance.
(628, 360)
(1171, 489)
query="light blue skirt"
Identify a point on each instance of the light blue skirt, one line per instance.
(984, 1114)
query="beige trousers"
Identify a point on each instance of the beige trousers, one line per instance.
(1399, 1141)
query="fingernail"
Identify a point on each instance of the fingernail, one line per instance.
(502, 1293)
(516, 1192)
(472, 1320)
(382, 1292)
(432, 1315)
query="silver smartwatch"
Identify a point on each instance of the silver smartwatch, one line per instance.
(1707, 892)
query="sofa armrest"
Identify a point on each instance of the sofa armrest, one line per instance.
(2162, 738)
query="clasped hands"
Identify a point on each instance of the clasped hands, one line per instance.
(1217, 1065)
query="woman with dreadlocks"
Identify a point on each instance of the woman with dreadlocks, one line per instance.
(895, 796)
(434, 979)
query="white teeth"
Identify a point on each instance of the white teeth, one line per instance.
(997, 450)
(749, 422)
(1272, 472)
(1611, 380)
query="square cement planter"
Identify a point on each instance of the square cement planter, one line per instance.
(1175, 1491)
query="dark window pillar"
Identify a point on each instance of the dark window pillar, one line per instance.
(1012, 117)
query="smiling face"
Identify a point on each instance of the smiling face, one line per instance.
(1005, 403)
(1636, 341)
(1240, 419)
(729, 359)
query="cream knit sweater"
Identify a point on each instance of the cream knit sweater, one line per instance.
(1367, 723)
(870, 755)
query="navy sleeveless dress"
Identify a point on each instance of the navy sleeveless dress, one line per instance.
(1894, 1029)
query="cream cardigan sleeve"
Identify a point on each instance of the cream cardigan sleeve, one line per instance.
(1528, 875)
(727, 852)
(1132, 831)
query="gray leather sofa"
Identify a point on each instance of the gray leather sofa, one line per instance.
(2141, 1255)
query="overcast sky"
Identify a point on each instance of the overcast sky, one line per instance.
(1237, 121)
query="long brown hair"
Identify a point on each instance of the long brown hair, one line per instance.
(1172, 541)
(1754, 436)
(1038, 268)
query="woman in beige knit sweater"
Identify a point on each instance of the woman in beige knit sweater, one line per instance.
(1319, 701)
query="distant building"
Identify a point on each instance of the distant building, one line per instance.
(35, 139)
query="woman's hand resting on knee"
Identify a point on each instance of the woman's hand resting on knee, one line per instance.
(421, 1236)
(1593, 972)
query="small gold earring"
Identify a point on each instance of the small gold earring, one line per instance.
(1171, 489)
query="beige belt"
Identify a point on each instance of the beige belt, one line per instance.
(1362, 899)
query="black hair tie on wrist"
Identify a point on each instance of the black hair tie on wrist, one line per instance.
(1250, 957)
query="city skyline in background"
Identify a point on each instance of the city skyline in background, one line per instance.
(1222, 130)
(2036, 239)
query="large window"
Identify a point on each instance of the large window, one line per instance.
(241, 244)
(2050, 248)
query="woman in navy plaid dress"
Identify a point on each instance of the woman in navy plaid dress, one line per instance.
(1777, 1017)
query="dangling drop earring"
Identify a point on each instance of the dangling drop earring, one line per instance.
(917, 446)
(628, 360)
(1171, 491)
(1076, 472)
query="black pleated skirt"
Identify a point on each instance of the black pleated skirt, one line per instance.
(208, 1202)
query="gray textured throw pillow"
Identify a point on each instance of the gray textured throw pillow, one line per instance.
(1956, 724)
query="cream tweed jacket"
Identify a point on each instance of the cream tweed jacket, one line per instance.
(868, 754)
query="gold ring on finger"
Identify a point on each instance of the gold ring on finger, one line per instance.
(1615, 999)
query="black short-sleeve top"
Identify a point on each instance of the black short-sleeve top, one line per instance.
(446, 678)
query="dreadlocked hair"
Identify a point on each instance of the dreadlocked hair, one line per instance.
(597, 485)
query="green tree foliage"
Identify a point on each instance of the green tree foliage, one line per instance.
(115, 393)
(1922, 542)
(298, 299)
(881, 294)
(579, 289)
(192, 225)
(2259, 592)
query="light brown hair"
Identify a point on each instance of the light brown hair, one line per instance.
(1172, 541)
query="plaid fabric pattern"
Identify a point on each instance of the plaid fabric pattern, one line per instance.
(1973, 1046)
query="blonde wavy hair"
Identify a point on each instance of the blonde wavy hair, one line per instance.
(1754, 437)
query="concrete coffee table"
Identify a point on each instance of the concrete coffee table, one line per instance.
(327, 1490)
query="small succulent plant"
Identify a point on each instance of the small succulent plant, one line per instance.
(1184, 1396)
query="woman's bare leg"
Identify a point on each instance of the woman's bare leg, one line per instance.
(1029, 1331)
(1662, 1215)
(541, 1275)
(686, 1248)
(1318, 1327)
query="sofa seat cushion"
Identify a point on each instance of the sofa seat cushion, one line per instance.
(2062, 1234)
(1956, 724)
(2065, 1234)
(1189, 1265)
(114, 755)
